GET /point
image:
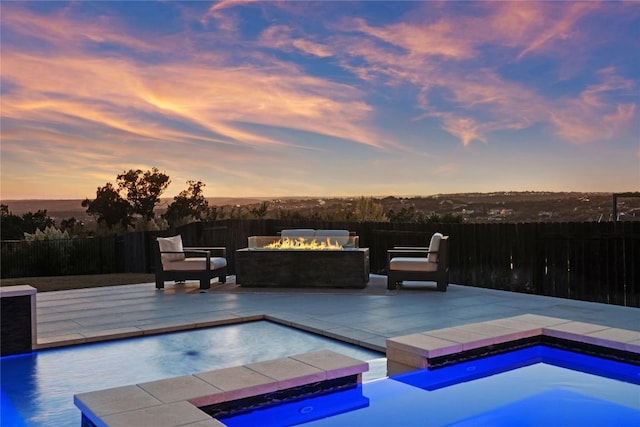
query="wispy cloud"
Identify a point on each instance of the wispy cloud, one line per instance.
(557, 24)
(210, 93)
(593, 115)
(252, 82)
(410, 53)
(281, 37)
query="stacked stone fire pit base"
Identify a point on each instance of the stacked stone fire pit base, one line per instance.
(347, 268)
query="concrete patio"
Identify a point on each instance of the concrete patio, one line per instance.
(365, 318)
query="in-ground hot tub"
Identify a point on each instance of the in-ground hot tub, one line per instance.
(302, 259)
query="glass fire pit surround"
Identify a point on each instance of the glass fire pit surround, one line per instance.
(263, 243)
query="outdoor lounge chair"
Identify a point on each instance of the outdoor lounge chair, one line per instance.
(420, 263)
(175, 262)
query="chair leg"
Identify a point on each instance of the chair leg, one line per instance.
(159, 283)
(205, 283)
(392, 282)
(222, 279)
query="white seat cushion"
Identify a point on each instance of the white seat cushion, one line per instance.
(171, 244)
(195, 264)
(412, 264)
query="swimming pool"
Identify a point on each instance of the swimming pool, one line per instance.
(37, 388)
(535, 386)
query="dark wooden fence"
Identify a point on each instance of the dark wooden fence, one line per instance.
(584, 261)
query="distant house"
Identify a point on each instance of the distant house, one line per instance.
(500, 212)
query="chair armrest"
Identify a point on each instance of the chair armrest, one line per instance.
(415, 248)
(187, 251)
(410, 251)
(195, 251)
(204, 248)
(391, 253)
(219, 250)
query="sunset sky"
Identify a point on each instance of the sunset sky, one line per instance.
(301, 98)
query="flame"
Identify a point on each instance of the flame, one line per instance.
(302, 244)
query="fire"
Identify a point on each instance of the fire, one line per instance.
(302, 244)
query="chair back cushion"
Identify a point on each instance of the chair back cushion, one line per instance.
(434, 246)
(171, 244)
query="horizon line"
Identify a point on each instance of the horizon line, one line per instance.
(366, 196)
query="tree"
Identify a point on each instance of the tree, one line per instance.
(69, 224)
(260, 211)
(189, 204)
(14, 227)
(143, 189)
(341, 214)
(109, 207)
(216, 213)
(36, 221)
(444, 218)
(367, 209)
(406, 214)
(143, 192)
(10, 224)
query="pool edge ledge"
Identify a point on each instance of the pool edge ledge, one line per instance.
(427, 349)
(148, 404)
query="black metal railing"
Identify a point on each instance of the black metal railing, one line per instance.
(59, 257)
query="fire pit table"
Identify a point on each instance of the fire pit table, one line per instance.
(304, 261)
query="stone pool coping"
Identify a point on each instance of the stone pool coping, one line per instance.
(176, 401)
(137, 332)
(417, 351)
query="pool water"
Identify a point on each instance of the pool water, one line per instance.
(536, 386)
(37, 389)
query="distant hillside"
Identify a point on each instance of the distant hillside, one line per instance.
(62, 209)
(471, 207)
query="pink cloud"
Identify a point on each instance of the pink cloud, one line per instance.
(579, 123)
(557, 26)
(465, 129)
(225, 95)
(398, 53)
(592, 116)
(68, 34)
(218, 93)
(432, 39)
(281, 37)
(277, 94)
